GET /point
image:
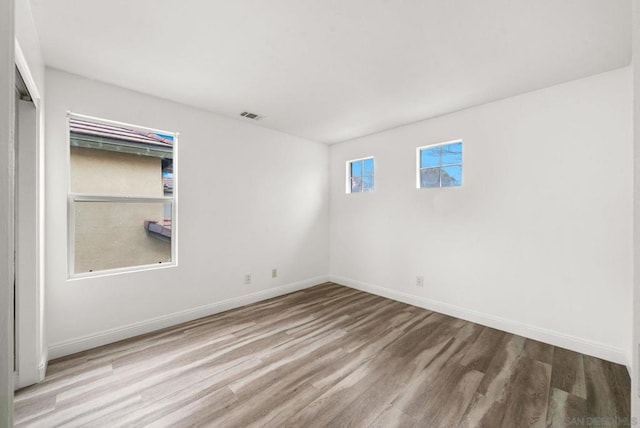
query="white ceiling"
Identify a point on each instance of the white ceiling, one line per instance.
(332, 70)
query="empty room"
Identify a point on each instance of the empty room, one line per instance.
(298, 213)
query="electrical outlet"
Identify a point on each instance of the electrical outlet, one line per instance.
(419, 281)
(247, 279)
(274, 273)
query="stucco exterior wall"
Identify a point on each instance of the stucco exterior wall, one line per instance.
(111, 235)
(101, 172)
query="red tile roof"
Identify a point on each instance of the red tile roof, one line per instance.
(83, 127)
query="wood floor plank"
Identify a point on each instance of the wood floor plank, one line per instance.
(438, 393)
(197, 411)
(408, 358)
(539, 351)
(28, 410)
(527, 397)
(275, 367)
(487, 409)
(469, 332)
(326, 356)
(568, 372)
(321, 411)
(480, 354)
(278, 413)
(456, 402)
(604, 397)
(165, 402)
(565, 409)
(391, 417)
(333, 373)
(420, 391)
(618, 378)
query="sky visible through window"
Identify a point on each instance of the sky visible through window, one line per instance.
(441, 166)
(166, 137)
(362, 175)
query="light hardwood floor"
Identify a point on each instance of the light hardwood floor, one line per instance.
(327, 356)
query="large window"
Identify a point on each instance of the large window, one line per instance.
(360, 175)
(440, 165)
(122, 200)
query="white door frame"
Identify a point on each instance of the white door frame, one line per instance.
(7, 126)
(31, 351)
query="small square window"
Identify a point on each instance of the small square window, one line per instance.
(440, 165)
(360, 175)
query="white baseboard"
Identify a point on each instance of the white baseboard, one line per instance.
(83, 343)
(554, 338)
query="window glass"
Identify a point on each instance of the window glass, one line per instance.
(430, 177)
(110, 235)
(361, 175)
(430, 157)
(368, 167)
(440, 165)
(356, 169)
(121, 196)
(356, 184)
(452, 154)
(367, 184)
(451, 175)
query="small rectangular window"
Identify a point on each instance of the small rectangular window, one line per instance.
(360, 175)
(122, 200)
(440, 165)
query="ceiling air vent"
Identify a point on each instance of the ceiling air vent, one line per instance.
(248, 115)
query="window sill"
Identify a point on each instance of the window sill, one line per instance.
(120, 271)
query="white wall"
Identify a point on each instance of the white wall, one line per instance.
(537, 241)
(7, 86)
(250, 199)
(27, 36)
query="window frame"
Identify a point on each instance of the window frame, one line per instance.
(72, 198)
(430, 146)
(349, 177)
